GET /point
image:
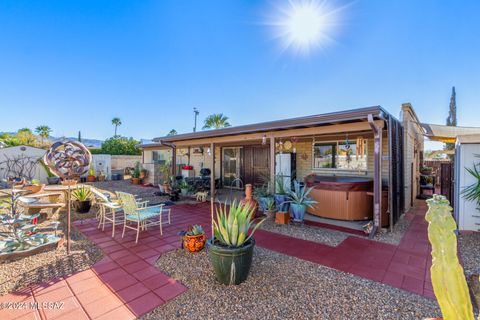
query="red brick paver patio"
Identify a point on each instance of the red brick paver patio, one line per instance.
(125, 284)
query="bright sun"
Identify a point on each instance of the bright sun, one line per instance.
(305, 25)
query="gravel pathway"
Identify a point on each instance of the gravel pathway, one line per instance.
(396, 234)
(283, 287)
(305, 232)
(470, 252)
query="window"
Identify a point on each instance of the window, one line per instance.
(161, 156)
(340, 155)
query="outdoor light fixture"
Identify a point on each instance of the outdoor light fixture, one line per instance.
(209, 152)
(264, 139)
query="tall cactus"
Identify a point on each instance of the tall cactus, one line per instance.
(448, 280)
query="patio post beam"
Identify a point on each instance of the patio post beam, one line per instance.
(174, 161)
(272, 164)
(212, 187)
(377, 174)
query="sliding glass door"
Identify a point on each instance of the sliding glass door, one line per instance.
(232, 166)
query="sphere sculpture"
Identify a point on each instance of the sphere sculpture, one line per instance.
(68, 160)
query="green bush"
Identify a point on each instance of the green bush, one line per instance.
(120, 145)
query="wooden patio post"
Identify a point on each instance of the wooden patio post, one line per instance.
(212, 187)
(272, 164)
(174, 161)
(377, 174)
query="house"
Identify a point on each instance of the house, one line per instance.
(367, 149)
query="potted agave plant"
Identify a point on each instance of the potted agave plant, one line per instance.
(299, 201)
(270, 208)
(184, 188)
(231, 249)
(194, 239)
(165, 169)
(280, 195)
(83, 199)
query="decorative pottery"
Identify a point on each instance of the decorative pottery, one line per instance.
(231, 265)
(136, 180)
(282, 217)
(194, 243)
(184, 191)
(249, 199)
(91, 179)
(33, 188)
(298, 211)
(53, 180)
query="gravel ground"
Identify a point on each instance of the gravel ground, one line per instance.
(470, 252)
(396, 235)
(333, 237)
(302, 231)
(283, 287)
(52, 264)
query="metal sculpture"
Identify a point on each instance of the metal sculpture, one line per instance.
(68, 160)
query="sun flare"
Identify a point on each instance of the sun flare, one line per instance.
(305, 25)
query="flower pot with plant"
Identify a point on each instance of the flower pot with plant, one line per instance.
(51, 178)
(231, 249)
(282, 217)
(166, 175)
(426, 170)
(33, 187)
(82, 199)
(184, 187)
(299, 201)
(194, 239)
(262, 194)
(270, 208)
(101, 176)
(91, 175)
(136, 173)
(280, 196)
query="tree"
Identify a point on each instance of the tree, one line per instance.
(79, 136)
(43, 131)
(216, 121)
(116, 122)
(25, 136)
(452, 116)
(172, 132)
(121, 145)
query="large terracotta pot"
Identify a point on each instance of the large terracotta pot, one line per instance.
(194, 243)
(91, 178)
(249, 199)
(136, 181)
(282, 217)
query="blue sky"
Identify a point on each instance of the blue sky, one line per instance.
(73, 65)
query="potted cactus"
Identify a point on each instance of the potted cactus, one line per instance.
(184, 187)
(194, 239)
(299, 201)
(83, 199)
(231, 248)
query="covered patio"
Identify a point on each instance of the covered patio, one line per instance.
(362, 144)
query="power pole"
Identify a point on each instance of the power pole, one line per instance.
(196, 112)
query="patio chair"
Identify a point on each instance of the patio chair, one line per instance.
(141, 216)
(108, 209)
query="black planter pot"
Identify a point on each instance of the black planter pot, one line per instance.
(53, 180)
(231, 265)
(82, 206)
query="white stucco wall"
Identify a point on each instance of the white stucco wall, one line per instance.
(23, 151)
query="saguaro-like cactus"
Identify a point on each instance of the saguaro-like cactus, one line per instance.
(448, 280)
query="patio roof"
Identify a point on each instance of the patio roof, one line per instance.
(447, 134)
(292, 123)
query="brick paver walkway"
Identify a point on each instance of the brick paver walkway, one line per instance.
(125, 284)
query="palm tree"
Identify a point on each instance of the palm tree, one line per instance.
(43, 131)
(216, 121)
(116, 122)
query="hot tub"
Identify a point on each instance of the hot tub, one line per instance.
(341, 198)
